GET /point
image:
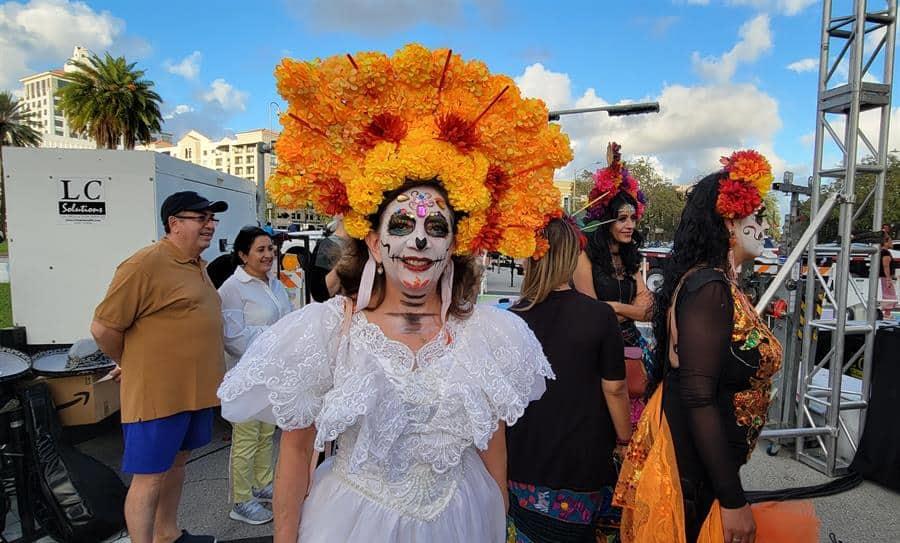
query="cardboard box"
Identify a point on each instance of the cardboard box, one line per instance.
(84, 399)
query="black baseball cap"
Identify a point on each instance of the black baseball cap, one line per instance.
(188, 201)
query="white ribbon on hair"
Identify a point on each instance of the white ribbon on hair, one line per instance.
(446, 290)
(366, 282)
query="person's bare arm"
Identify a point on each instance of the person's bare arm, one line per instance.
(616, 395)
(110, 340)
(641, 309)
(583, 278)
(494, 458)
(292, 480)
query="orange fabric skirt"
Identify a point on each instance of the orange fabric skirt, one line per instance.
(649, 493)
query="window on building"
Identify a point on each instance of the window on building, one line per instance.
(218, 162)
(58, 132)
(251, 169)
(205, 152)
(187, 153)
(58, 123)
(238, 160)
(238, 170)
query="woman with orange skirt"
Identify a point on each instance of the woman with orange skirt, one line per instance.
(680, 481)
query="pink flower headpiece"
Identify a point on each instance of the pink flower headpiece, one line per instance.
(610, 181)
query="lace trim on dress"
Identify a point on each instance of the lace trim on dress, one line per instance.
(405, 408)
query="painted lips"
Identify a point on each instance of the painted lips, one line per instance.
(417, 265)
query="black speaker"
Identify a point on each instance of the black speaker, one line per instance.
(13, 337)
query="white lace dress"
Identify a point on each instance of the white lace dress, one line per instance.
(407, 424)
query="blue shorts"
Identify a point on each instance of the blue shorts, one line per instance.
(151, 445)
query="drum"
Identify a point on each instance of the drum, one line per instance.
(55, 363)
(13, 364)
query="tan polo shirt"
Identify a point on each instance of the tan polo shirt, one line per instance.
(171, 315)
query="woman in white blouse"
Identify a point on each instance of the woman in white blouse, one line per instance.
(252, 300)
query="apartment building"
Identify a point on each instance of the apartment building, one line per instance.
(39, 99)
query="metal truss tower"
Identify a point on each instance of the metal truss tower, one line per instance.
(864, 41)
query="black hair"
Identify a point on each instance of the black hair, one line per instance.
(600, 239)
(244, 241)
(701, 239)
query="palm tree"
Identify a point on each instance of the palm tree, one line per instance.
(14, 130)
(110, 100)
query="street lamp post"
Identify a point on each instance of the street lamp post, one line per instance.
(638, 108)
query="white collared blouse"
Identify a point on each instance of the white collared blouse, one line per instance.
(249, 307)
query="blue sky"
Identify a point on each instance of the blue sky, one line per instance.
(720, 68)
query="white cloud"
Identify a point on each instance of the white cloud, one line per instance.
(382, 17)
(180, 109)
(781, 7)
(188, 68)
(694, 127)
(552, 87)
(808, 139)
(755, 39)
(804, 65)
(40, 35)
(226, 96)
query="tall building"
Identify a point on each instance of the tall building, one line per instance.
(248, 154)
(39, 91)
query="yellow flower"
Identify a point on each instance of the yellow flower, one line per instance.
(371, 123)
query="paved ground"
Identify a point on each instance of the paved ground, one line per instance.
(867, 514)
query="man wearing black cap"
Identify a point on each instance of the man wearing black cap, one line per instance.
(161, 321)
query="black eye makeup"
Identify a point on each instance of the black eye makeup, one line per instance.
(401, 224)
(760, 215)
(437, 226)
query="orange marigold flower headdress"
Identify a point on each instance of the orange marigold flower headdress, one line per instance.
(360, 125)
(749, 177)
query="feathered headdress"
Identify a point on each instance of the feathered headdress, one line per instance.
(360, 125)
(749, 177)
(609, 182)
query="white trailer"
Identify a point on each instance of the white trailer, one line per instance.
(74, 215)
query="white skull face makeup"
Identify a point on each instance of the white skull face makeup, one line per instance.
(416, 239)
(750, 233)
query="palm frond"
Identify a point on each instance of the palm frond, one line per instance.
(110, 99)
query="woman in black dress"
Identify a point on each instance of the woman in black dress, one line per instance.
(609, 268)
(560, 453)
(681, 480)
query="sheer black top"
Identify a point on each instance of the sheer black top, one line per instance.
(566, 438)
(698, 399)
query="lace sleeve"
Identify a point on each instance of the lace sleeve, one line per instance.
(287, 370)
(704, 335)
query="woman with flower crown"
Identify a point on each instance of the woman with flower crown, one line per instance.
(680, 481)
(431, 160)
(608, 269)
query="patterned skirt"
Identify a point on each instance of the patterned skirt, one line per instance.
(538, 514)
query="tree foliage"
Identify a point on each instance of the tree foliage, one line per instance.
(863, 186)
(110, 100)
(14, 130)
(664, 203)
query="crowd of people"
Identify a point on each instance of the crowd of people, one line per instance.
(445, 419)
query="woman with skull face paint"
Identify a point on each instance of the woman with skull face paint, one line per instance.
(680, 480)
(608, 269)
(413, 381)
